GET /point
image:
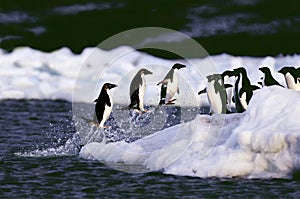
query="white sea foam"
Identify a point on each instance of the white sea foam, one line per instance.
(263, 142)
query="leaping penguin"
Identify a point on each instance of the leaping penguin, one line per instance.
(243, 90)
(138, 89)
(216, 94)
(292, 77)
(268, 79)
(104, 104)
(170, 85)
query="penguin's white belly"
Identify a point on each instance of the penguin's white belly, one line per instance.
(214, 98)
(142, 90)
(291, 82)
(172, 87)
(107, 112)
(243, 101)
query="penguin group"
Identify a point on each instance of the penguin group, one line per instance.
(169, 87)
(219, 91)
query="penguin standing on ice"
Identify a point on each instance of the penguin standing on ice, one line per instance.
(138, 89)
(243, 90)
(292, 77)
(268, 79)
(104, 104)
(169, 85)
(216, 94)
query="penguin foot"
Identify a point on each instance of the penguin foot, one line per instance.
(98, 126)
(137, 110)
(103, 127)
(170, 102)
(142, 111)
(146, 111)
(94, 124)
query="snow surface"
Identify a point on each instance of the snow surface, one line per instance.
(263, 142)
(29, 73)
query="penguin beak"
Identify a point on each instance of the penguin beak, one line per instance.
(148, 72)
(114, 85)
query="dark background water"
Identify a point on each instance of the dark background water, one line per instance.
(28, 125)
(238, 27)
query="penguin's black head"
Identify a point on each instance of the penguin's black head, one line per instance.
(213, 77)
(145, 72)
(287, 69)
(265, 70)
(108, 86)
(239, 70)
(210, 78)
(228, 73)
(178, 66)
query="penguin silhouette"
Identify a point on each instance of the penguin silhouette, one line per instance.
(268, 79)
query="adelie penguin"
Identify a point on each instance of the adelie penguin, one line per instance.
(169, 85)
(138, 89)
(292, 77)
(268, 79)
(104, 104)
(216, 94)
(243, 90)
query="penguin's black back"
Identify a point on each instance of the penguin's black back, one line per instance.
(238, 105)
(246, 86)
(101, 101)
(163, 91)
(163, 94)
(134, 90)
(170, 75)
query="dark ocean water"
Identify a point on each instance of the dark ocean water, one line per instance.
(238, 27)
(30, 125)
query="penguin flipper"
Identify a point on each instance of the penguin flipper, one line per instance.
(233, 99)
(228, 85)
(99, 110)
(202, 91)
(253, 87)
(134, 99)
(163, 81)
